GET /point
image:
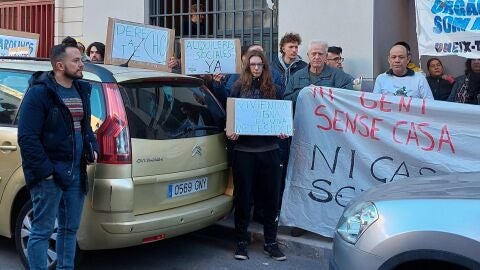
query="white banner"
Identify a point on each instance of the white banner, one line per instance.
(347, 141)
(448, 27)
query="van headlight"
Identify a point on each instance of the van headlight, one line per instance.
(355, 220)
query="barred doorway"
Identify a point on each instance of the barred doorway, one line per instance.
(34, 16)
(252, 21)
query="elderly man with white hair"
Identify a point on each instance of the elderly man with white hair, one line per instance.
(317, 73)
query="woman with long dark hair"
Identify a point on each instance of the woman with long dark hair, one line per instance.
(467, 87)
(256, 158)
(440, 83)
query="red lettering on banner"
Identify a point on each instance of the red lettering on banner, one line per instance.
(342, 121)
(395, 130)
(362, 101)
(448, 140)
(318, 113)
(387, 106)
(374, 128)
(424, 140)
(348, 122)
(428, 135)
(402, 104)
(364, 125)
(383, 103)
(412, 134)
(320, 90)
(336, 119)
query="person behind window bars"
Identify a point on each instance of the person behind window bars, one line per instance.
(196, 24)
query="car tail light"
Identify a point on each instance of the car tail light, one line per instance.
(113, 136)
(153, 238)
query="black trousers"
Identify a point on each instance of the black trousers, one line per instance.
(247, 168)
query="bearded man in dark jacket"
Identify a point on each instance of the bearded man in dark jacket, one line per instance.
(56, 143)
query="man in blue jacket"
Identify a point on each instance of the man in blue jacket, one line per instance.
(56, 143)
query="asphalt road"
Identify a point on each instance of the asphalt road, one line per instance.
(193, 251)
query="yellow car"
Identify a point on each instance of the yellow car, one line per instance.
(162, 168)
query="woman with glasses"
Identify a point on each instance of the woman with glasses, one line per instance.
(256, 158)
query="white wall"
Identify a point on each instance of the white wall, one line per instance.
(96, 13)
(86, 20)
(68, 19)
(344, 23)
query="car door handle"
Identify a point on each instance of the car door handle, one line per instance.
(8, 147)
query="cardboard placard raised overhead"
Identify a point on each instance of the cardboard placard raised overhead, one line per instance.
(143, 46)
(259, 117)
(11, 40)
(210, 56)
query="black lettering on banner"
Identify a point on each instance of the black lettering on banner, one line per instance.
(329, 195)
(427, 169)
(383, 180)
(339, 194)
(406, 174)
(332, 168)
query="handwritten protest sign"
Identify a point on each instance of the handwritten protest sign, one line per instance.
(14, 42)
(210, 56)
(259, 116)
(141, 45)
(448, 27)
(347, 142)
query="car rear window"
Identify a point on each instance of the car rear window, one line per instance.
(14, 84)
(171, 111)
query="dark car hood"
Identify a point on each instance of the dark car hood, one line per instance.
(447, 186)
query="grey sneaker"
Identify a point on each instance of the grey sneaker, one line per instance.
(241, 253)
(274, 251)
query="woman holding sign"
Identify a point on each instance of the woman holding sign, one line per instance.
(256, 158)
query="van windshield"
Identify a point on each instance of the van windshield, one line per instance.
(171, 111)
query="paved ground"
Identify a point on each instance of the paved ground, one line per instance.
(211, 248)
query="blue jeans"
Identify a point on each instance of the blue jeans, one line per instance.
(49, 202)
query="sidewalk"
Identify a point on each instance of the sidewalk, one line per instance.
(309, 245)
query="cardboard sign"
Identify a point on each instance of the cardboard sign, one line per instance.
(259, 117)
(210, 56)
(143, 46)
(11, 42)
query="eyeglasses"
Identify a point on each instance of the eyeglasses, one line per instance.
(259, 65)
(337, 59)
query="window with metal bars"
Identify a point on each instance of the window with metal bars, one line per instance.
(252, 21)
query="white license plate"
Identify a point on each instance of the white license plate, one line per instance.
(187, 187)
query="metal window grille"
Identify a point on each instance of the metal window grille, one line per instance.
(252, 21)
(35, 16)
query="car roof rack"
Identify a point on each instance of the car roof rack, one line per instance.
(24, 58)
